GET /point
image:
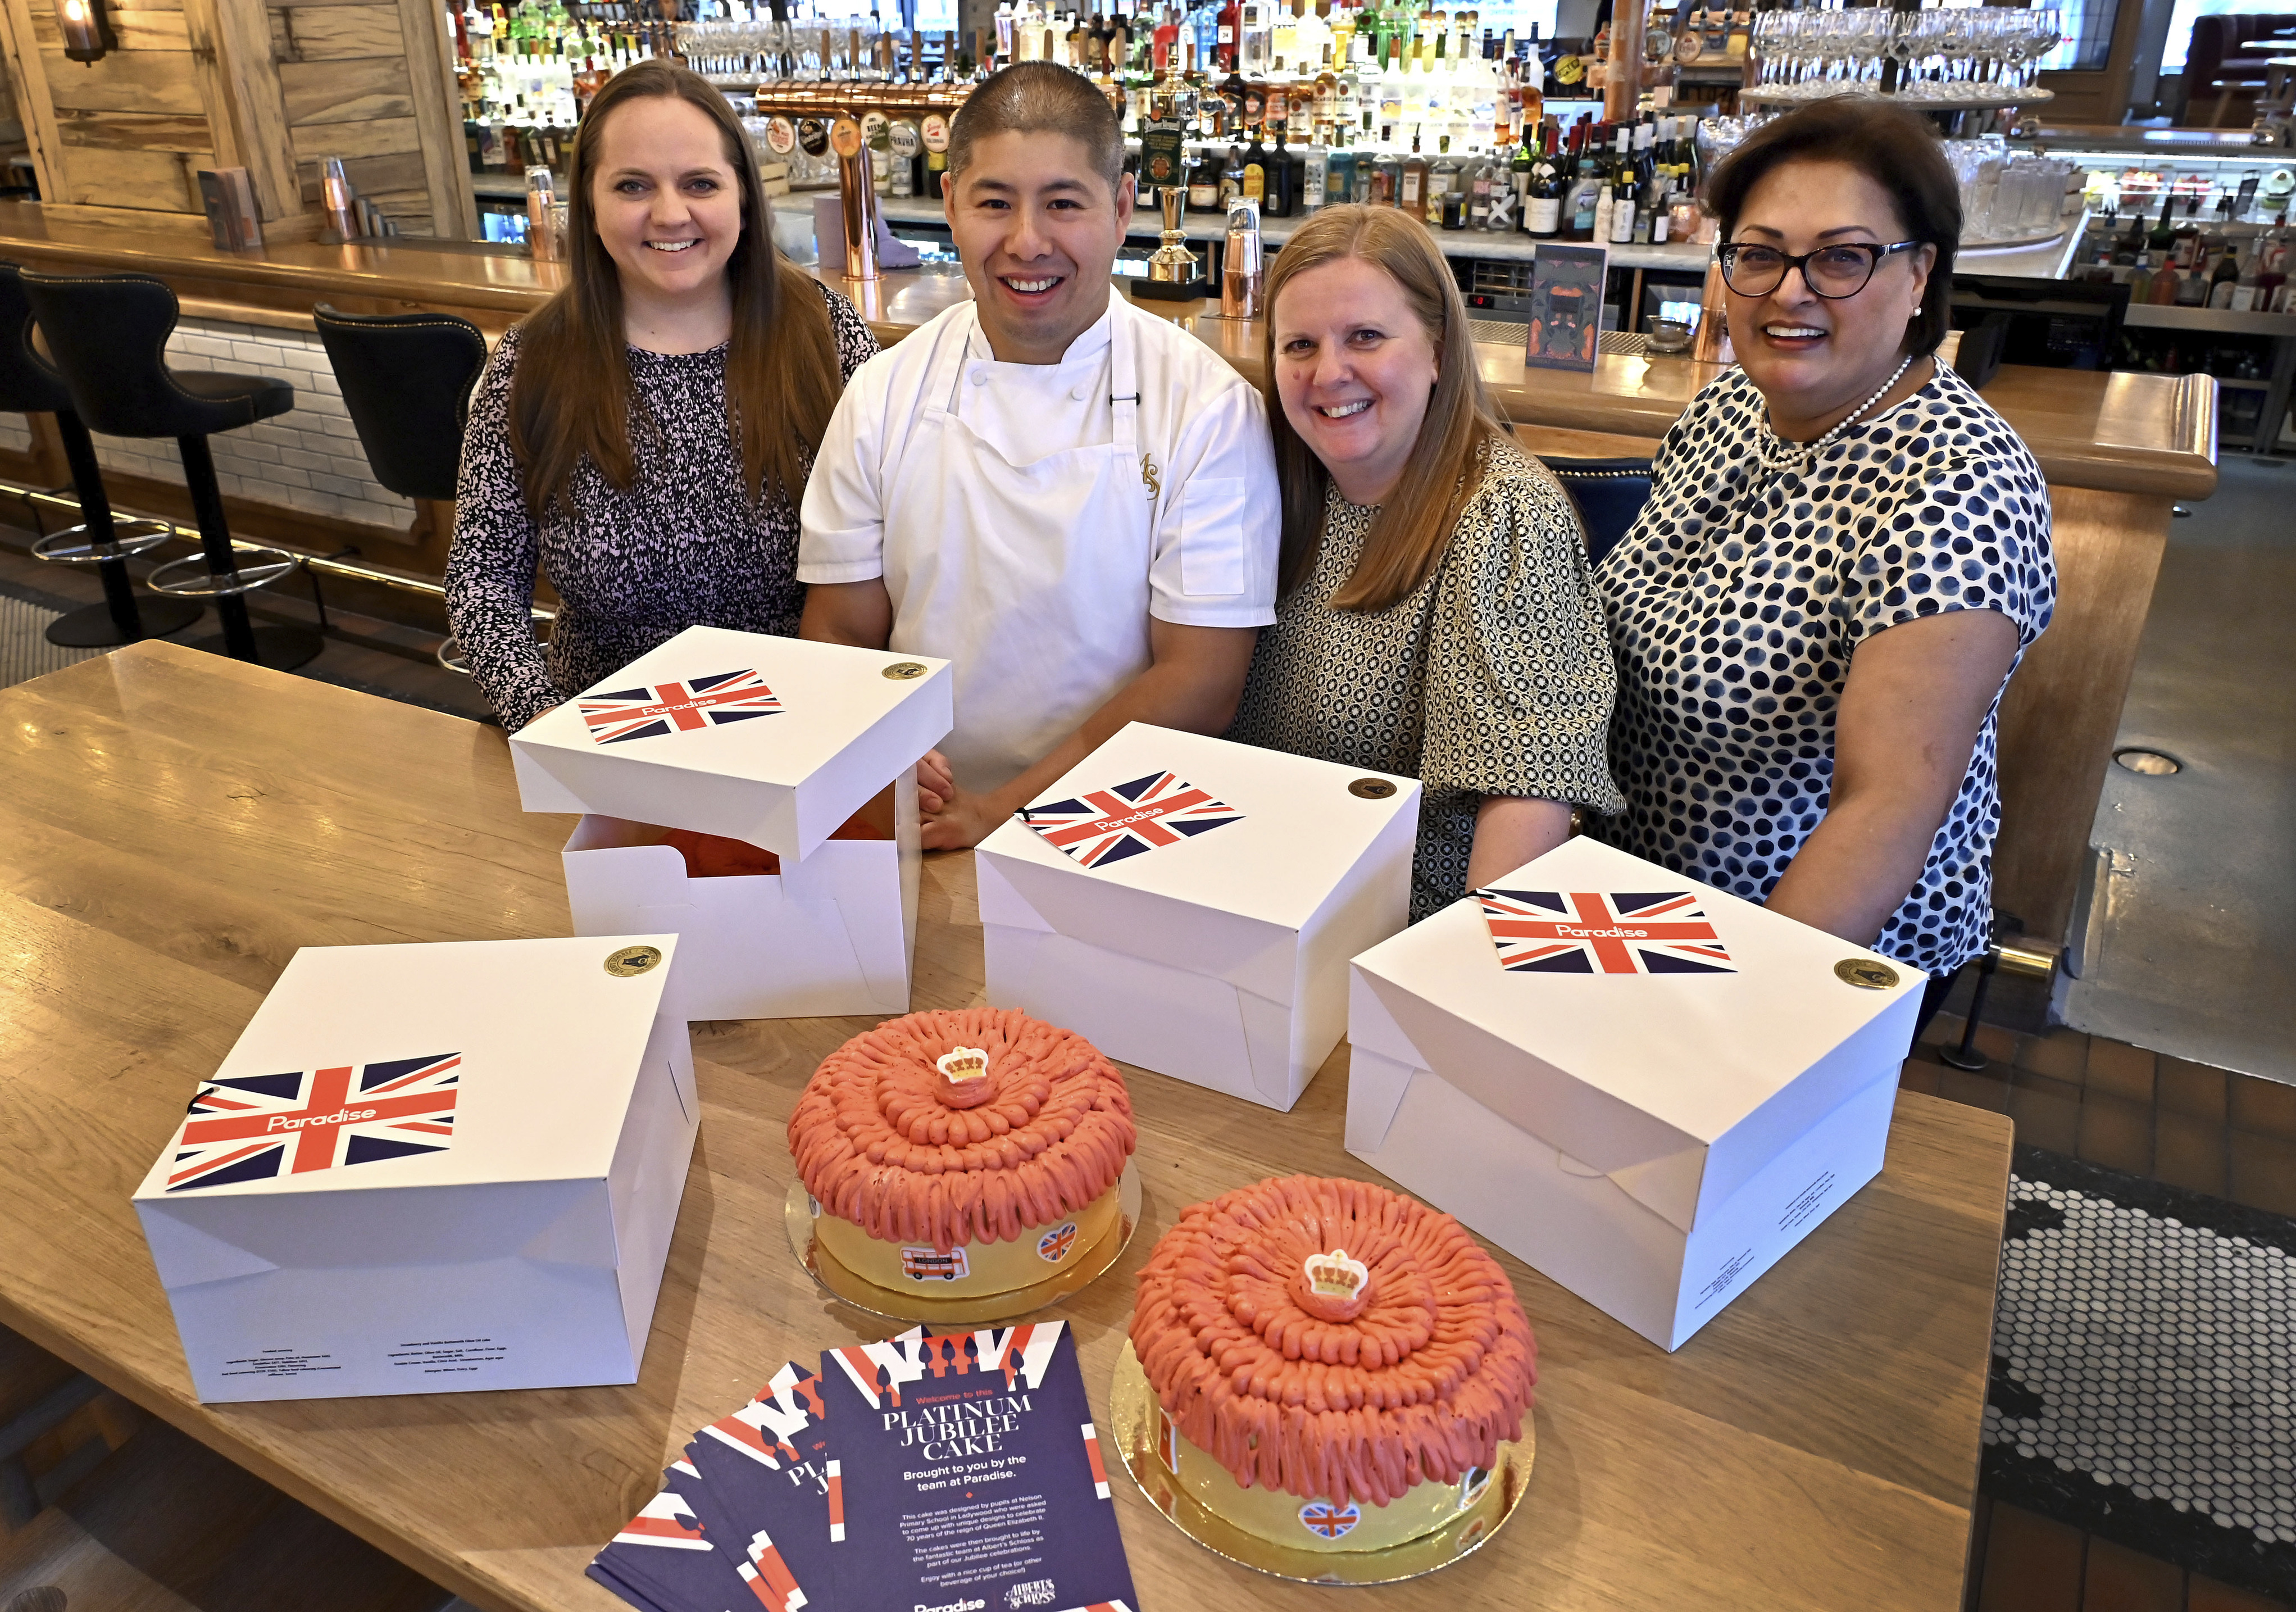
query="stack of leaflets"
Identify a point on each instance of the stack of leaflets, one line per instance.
(947, 1472)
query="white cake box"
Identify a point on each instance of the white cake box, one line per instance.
(430, 1169)
(1661, 1092)
(776, 742)
(1190, 904)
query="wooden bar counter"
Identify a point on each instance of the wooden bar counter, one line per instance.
(178, 825)
(2118, 451)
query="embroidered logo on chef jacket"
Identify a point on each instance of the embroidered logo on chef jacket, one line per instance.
(262, 1126)
(1151, 477)
(650, 711)
(1128, 819)
(1586, 932)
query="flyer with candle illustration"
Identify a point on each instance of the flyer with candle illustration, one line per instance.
(764, 1497)
(967, 1469)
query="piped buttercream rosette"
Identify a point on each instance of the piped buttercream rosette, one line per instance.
(957, 1127)
(1332, 1339)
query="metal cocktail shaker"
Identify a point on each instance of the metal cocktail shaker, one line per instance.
(1172, 263)
(1243, 279)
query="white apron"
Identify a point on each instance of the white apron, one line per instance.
(1033, 578)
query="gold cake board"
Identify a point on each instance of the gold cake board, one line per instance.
(1131, 1414)
(977, 1310)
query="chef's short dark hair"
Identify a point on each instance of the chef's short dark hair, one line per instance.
(1891, 145)
(1040, 98)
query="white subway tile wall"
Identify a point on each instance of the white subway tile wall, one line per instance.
(307, 459)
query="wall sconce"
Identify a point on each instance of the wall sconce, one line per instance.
(86, 30)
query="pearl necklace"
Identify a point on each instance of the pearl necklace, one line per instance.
(1780, 455)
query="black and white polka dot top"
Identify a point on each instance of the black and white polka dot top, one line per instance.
(1739, 596)
(682, 545)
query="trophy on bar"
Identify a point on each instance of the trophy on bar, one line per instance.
(1173, 272)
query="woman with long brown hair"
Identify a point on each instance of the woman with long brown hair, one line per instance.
(1437, 617)
(645, 436)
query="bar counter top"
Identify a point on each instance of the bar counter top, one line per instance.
(2114, 432)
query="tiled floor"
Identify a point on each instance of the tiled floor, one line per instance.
(2227, 1135)
(2231, 1136)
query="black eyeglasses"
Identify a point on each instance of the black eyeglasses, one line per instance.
(1832, 272)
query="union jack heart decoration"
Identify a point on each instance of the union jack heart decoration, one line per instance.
(258, 1127)
(653, 710)
(1333, 1522)
(1591, 931)
(1106, 826)
(1054, 1246)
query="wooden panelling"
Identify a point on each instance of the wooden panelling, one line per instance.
(430, 60)
(136, 131)
(149, 81)
(346, 92)
(371, 176)
(380, 137)
(143, 28)
(239, 88)
(27, 72)
(160, 180)
(336, 33)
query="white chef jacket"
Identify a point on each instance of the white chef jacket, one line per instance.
(1028, 521)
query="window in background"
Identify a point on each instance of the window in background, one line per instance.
(2087, 43)
(2188, 12)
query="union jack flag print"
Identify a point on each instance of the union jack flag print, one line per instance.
(668, 1521)
(1587, 932)
(1054, 1244)
(1130, 819)
(260, 1126)
(1333, 1522)
(651, 711)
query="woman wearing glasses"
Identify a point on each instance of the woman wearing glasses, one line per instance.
(1845, 553)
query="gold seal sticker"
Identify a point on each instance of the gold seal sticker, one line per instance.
(1866, 974)
(901, 671)
(632, 960)
(845, 137)
(1371, 789)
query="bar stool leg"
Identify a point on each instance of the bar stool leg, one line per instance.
(118, 620)
(215, 542)
(281, 648)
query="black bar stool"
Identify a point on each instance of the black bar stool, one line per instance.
(406, 381)
(29, 386)
(108, 336)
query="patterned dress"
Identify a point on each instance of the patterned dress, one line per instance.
(1741, 592)
(1492, 677)
(682, 546)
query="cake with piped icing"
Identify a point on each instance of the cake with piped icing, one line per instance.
(1334, 1365)
(961, 1154)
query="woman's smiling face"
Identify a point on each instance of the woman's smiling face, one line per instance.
(665, 199)
(1816, 356)
(1355, 369)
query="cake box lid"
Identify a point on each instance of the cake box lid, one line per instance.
(1227, 827)
(388, 1067)
(774, 740)
(1649, 1027)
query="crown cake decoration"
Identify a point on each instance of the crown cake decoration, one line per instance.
(1334, 1286)
(963, 1077)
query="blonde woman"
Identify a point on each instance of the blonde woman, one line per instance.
(1437, 616)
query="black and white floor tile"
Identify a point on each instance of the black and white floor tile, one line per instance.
(2141, 1387)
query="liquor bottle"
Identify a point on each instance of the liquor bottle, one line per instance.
(1442, 186)
(2193, 287)
(2125, 248)
(1204, 183)
(2244, 290)
(1314, 172)
(2140, 276)
(1290, 175)
(2163, 235)
(1224, 56)
(1411, 193)
(2223, 278)
(1255, 172)
(1480, 190)
(1543, 209)
(2166, 283)
(1386, 179)
(1231, 182)
(1586, 187)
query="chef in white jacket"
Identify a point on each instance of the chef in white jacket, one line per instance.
(1073, 500)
